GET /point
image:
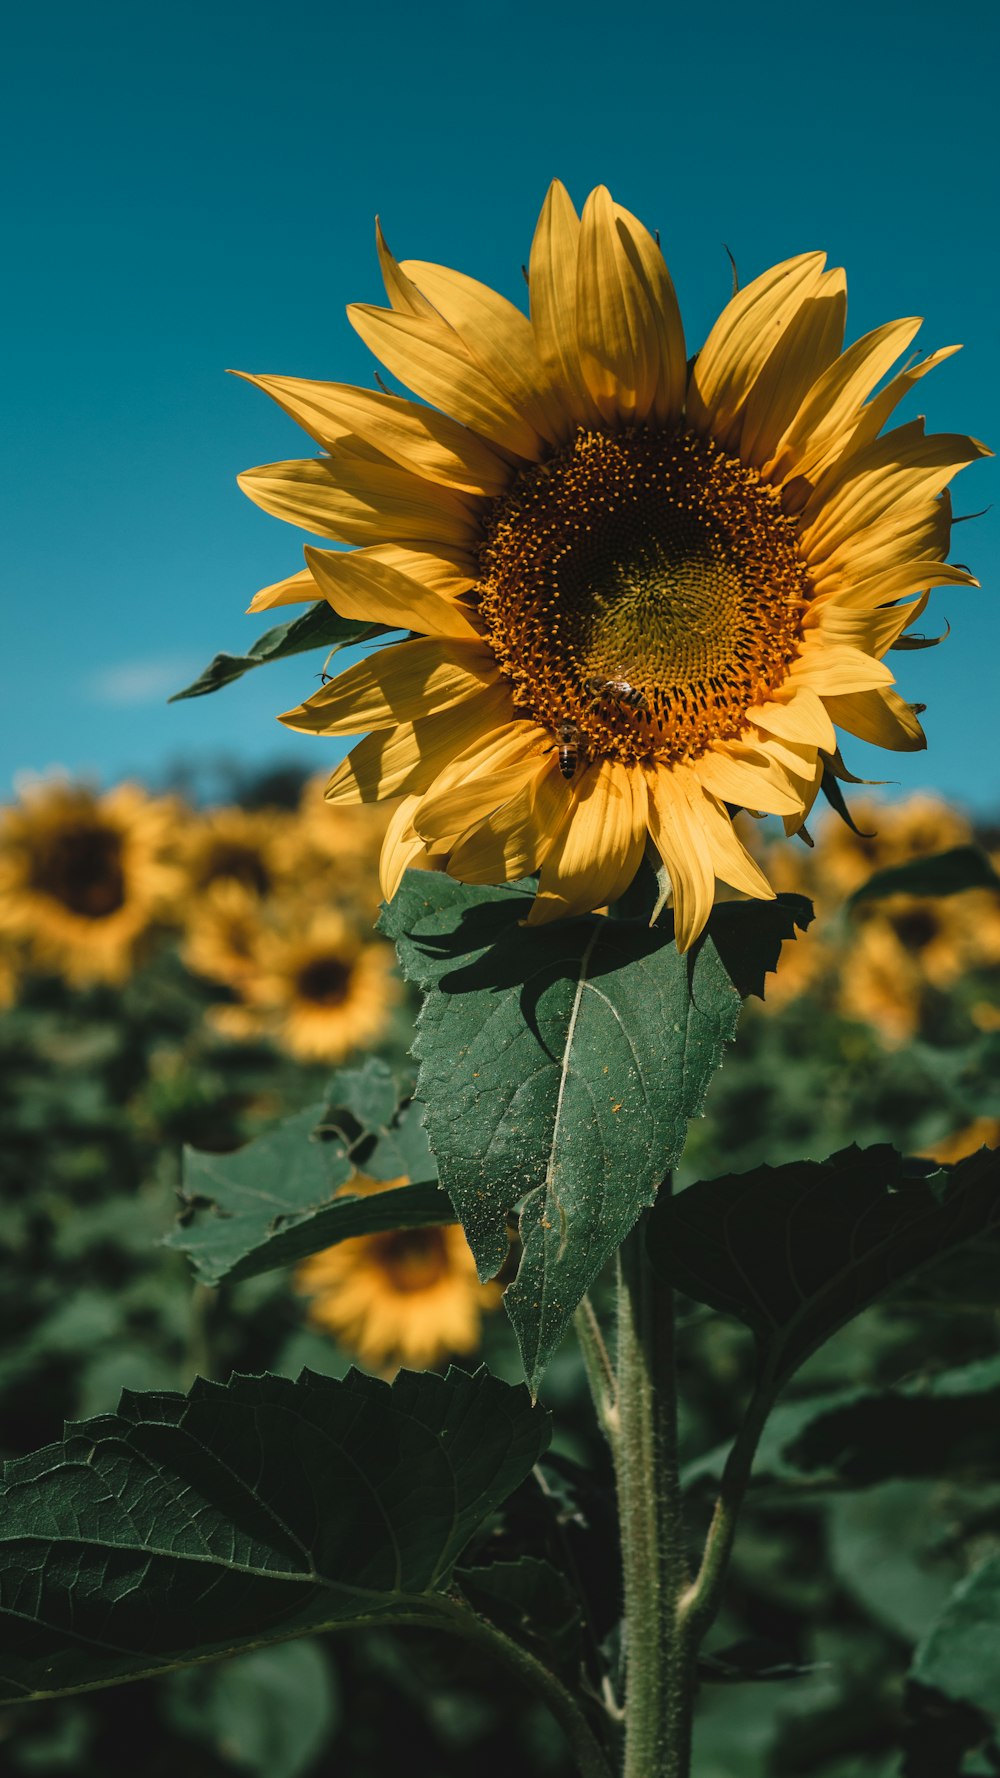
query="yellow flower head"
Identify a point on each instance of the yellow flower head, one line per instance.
(83, 876)
(410, 1296)
(233, 845)
(301, 974)
(642, 592)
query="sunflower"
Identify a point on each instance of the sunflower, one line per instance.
(335, 852)
(300, 974)
(642, 592)
(83, 876)
(245, 846)
(410, 1296)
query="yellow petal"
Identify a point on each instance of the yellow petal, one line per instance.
(428, 356)
(893, 583)
(807, 347)
(831, 667)
(731, 861)
(904, 468)
(801, 718)
(664, 317)
(400, 683)
(358, 586)
(514, 840)
(417, 438)
(742, 340)
(599, 850)
(832, 405)
(402, 292)
(498, 337)
(680, 838)
(747, 777)
(296, 590)
(506, 758)
(447, 570)
(403, 761)
(353, 501)
(402, 849)
(873, 632)
(619, 352)
(917, 531)
(880, 717)
(873, 417)
(552, 276)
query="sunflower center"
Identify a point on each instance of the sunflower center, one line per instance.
(642, 591)
(324, 981)
(241, 864)
(82, 867)
(413, 1259)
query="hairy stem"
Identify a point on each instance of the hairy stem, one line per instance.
(600, 1371)
(699, 1605)
(659, 1655)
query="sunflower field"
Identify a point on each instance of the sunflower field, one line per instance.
(501, 1242)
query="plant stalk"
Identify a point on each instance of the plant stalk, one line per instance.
(659, 1651)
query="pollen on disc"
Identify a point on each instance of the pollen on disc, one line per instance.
(645, 588)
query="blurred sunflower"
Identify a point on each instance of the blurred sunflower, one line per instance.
(83, 876)
(983, 1132)
(300, 974)
(410, 1296)
(890, 833)
(643, 591)
(233, 845)
(335, 851)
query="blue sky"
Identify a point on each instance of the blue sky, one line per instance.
(194, 186)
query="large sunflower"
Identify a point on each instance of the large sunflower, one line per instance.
(643, 591)
(409, 1296)
(83, 876)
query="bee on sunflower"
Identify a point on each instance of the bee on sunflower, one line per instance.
(733, 539)
(83, 876)
(405, 1297)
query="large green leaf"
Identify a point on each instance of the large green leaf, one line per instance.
(530, 1601)
(319, 627)
(275, 1201)
(944, 873)
(184, 1527)
(559, 1068)
(946, 1423)
(796, 1251)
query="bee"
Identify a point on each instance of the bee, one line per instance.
(569, 749)
(619, 693)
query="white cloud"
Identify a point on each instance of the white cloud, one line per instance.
(141, 682)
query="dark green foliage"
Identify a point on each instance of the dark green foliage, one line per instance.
(559, 1069)
(269, 1713)
(319, 627)
(533, 1603)
(945, 873)
(796, 1251)
(185, 1527)
(275, 1201)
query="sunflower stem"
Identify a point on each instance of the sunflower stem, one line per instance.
(659, 1650)
(599, 1368)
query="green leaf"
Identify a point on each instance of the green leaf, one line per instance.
(945, 873)
(184, 1527)
(960, 1656)
(269, 1713)
(944, 1424)
(319, 627)
(559, 1068)
(275, 1201)
(797, 1251)
(530, 1601)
